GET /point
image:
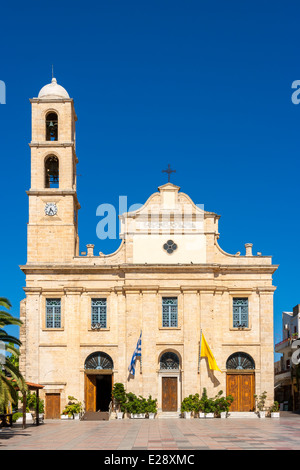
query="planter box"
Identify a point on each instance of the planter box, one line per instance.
(224, 414)
(137, 415)
(201, 415)
(151, 415)
(119, 415)
(187, 414)
(29, 419)
(275, 414)
(41, 417)
(77, 416)
(209, 415)
(65, 417)
(262, 414)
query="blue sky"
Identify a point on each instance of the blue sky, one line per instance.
(205, 86)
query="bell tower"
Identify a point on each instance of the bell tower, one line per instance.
(53, 204)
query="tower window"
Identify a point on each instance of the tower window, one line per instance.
(52, 172)
(51, 126)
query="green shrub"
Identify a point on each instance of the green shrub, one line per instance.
(73, 407)
(16, 416)
(119, 396)
(188, 404)
(134, 404)
(151, 405)
(275, 407)
(31, 399)
(260, 401)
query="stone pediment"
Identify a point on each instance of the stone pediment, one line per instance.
(167, 207)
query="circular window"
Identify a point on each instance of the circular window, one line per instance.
(170, 246)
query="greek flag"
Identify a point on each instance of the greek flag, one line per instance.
(137, 352)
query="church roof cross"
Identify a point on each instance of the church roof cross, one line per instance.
(169, 171)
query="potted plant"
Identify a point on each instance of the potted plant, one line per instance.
(274, 410)
(136, 406)
(73, 409)
(65, 415)
(119, 398)
(151, 407)
(207, 405)
(198, 406)
(200, 403)
(209, 408)
(260, 404)
(30, 408)
(187, 406)
(17, 417)
(222, 404)
(41, 411)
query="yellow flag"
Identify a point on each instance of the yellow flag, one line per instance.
(206, 352)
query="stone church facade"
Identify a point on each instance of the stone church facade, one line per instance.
(169, 279)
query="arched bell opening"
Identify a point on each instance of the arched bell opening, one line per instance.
(51, 172)
(51, 126)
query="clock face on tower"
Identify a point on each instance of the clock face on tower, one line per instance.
(50, 208)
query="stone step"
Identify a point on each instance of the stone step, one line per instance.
(96, 416)
(242, 414)
(168, 414)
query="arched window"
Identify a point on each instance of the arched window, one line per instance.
(52, 172)
(51, 126)
(240, 361)
(99, 360)
(169, 360)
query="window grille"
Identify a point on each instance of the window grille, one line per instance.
(240, 313)
(240, 361)
(99, 313)
(169, 312)
(99, 360)
(169, 360)
(53, 313)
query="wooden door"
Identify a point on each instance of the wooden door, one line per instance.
(52, 406)
(169, 393)
(241, 387)
(90, 392)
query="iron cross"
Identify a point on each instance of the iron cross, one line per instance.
(169, 171)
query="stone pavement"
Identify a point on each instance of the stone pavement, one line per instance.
(159, 434)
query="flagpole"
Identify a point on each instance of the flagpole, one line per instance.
(200, 351)
(141, 370)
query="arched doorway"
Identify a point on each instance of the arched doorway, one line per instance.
(169, 371)
(98, 381)
(240, 381)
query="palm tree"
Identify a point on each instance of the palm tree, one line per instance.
(10, 377)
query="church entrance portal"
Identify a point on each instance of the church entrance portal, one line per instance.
(98, 381)
(169, 394)
(98, 388)
(240, 381)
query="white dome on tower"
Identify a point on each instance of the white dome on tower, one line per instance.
(53, 90)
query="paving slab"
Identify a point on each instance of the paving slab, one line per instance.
(163, 435)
